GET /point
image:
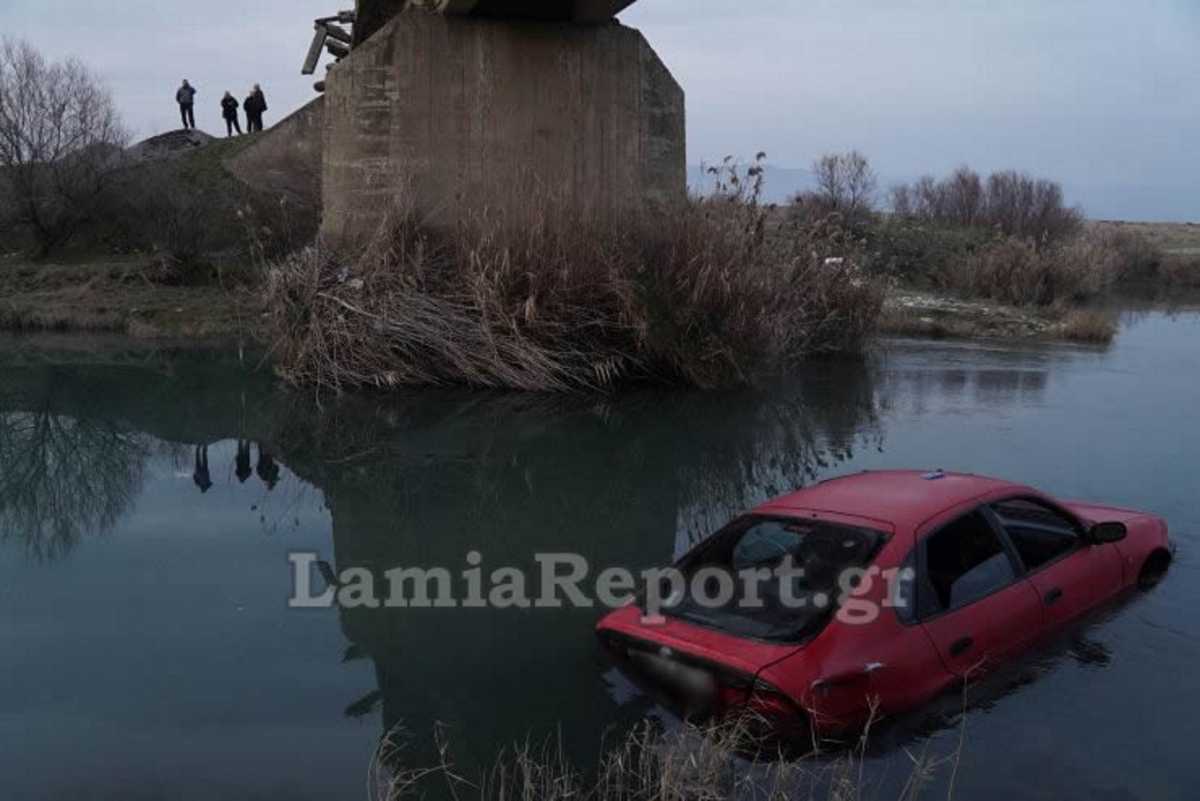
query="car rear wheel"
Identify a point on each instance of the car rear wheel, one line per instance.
(1154, 569)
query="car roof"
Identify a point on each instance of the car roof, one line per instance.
(903, 498)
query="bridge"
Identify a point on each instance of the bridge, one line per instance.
(480, 102)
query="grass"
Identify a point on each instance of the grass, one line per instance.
(1182, 238)
(1182, 269)
(540, 298)
(713, 762)
(118, 296)
(934, 315)
(1090, 326)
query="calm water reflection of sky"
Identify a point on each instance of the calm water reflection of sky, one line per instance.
(148, 651)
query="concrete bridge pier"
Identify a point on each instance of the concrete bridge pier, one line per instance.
(481, 107)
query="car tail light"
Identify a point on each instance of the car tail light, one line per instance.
(738, 691)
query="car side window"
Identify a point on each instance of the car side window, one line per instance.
(964, 561)
(1040, 533)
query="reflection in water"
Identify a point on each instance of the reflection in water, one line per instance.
(928, 389)
(242, 468)
(421, 480)
(267, 470)
(64, 477)
(418, 480)
(200, 475)
(73, 452)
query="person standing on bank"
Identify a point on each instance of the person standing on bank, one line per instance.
(229, 110)
(186, 98)
(255, 105)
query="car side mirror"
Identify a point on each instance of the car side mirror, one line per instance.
(1103, 533)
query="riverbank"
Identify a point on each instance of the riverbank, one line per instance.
(941, 316)
(122, 295)
(115, 296)
(118, 296)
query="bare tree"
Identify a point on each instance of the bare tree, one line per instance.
(60, 140)
(903, 200)
(846, 181)
(965, 197)
(1010, 202)
(846, 185)
(65, 478)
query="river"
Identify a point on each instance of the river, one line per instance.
(149, 503)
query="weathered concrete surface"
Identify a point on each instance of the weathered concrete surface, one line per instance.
(371, 15)
(374, 14)
(286, 158)
(472, 111)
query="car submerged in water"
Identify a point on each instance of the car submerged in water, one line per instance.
(899, 586)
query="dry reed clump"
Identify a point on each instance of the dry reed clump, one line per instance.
(1017, 272)
(1089, 325)
(720, 761)
(1181, 270)
(543, 299)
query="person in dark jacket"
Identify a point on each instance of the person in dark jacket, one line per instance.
(255, 105)
(186, 98)
(229, 110)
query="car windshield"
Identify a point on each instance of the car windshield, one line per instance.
(784, 574)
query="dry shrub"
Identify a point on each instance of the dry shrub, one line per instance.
(61, 139)
(1089, 325)
(1138, 258)
(1017, 272)
(545, 299)
(717, 761)
(1181, 270)
(845, 185)
(1012, 203)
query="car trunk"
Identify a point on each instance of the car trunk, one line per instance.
(709, 655)
(698, 670)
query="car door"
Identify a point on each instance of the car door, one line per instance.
(1070, 574)
(971, 598)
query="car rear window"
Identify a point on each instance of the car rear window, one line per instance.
(823, 550)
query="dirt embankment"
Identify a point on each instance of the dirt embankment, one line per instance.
(185, 225)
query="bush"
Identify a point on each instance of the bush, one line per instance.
(921, 253)
(1012, 203)
(1181, 270)
(1089, 325)
(846, 185)
(61, 139)
(1138, 259)
(200, 227)
(1017, 272)
(543, 299)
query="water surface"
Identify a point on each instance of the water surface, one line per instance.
(148, 504)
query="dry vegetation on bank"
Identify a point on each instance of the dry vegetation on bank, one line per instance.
(694, 763)
(543, 299)
(717, 290)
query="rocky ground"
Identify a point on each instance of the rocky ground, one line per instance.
(925, 314)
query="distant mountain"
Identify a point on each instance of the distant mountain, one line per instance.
(1100, 201)
(780, 184)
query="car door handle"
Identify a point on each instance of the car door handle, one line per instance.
(1053, 596)
(960, 647)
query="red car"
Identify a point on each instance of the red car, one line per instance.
(900, 586)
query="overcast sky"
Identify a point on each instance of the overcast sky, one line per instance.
(1103, 95)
